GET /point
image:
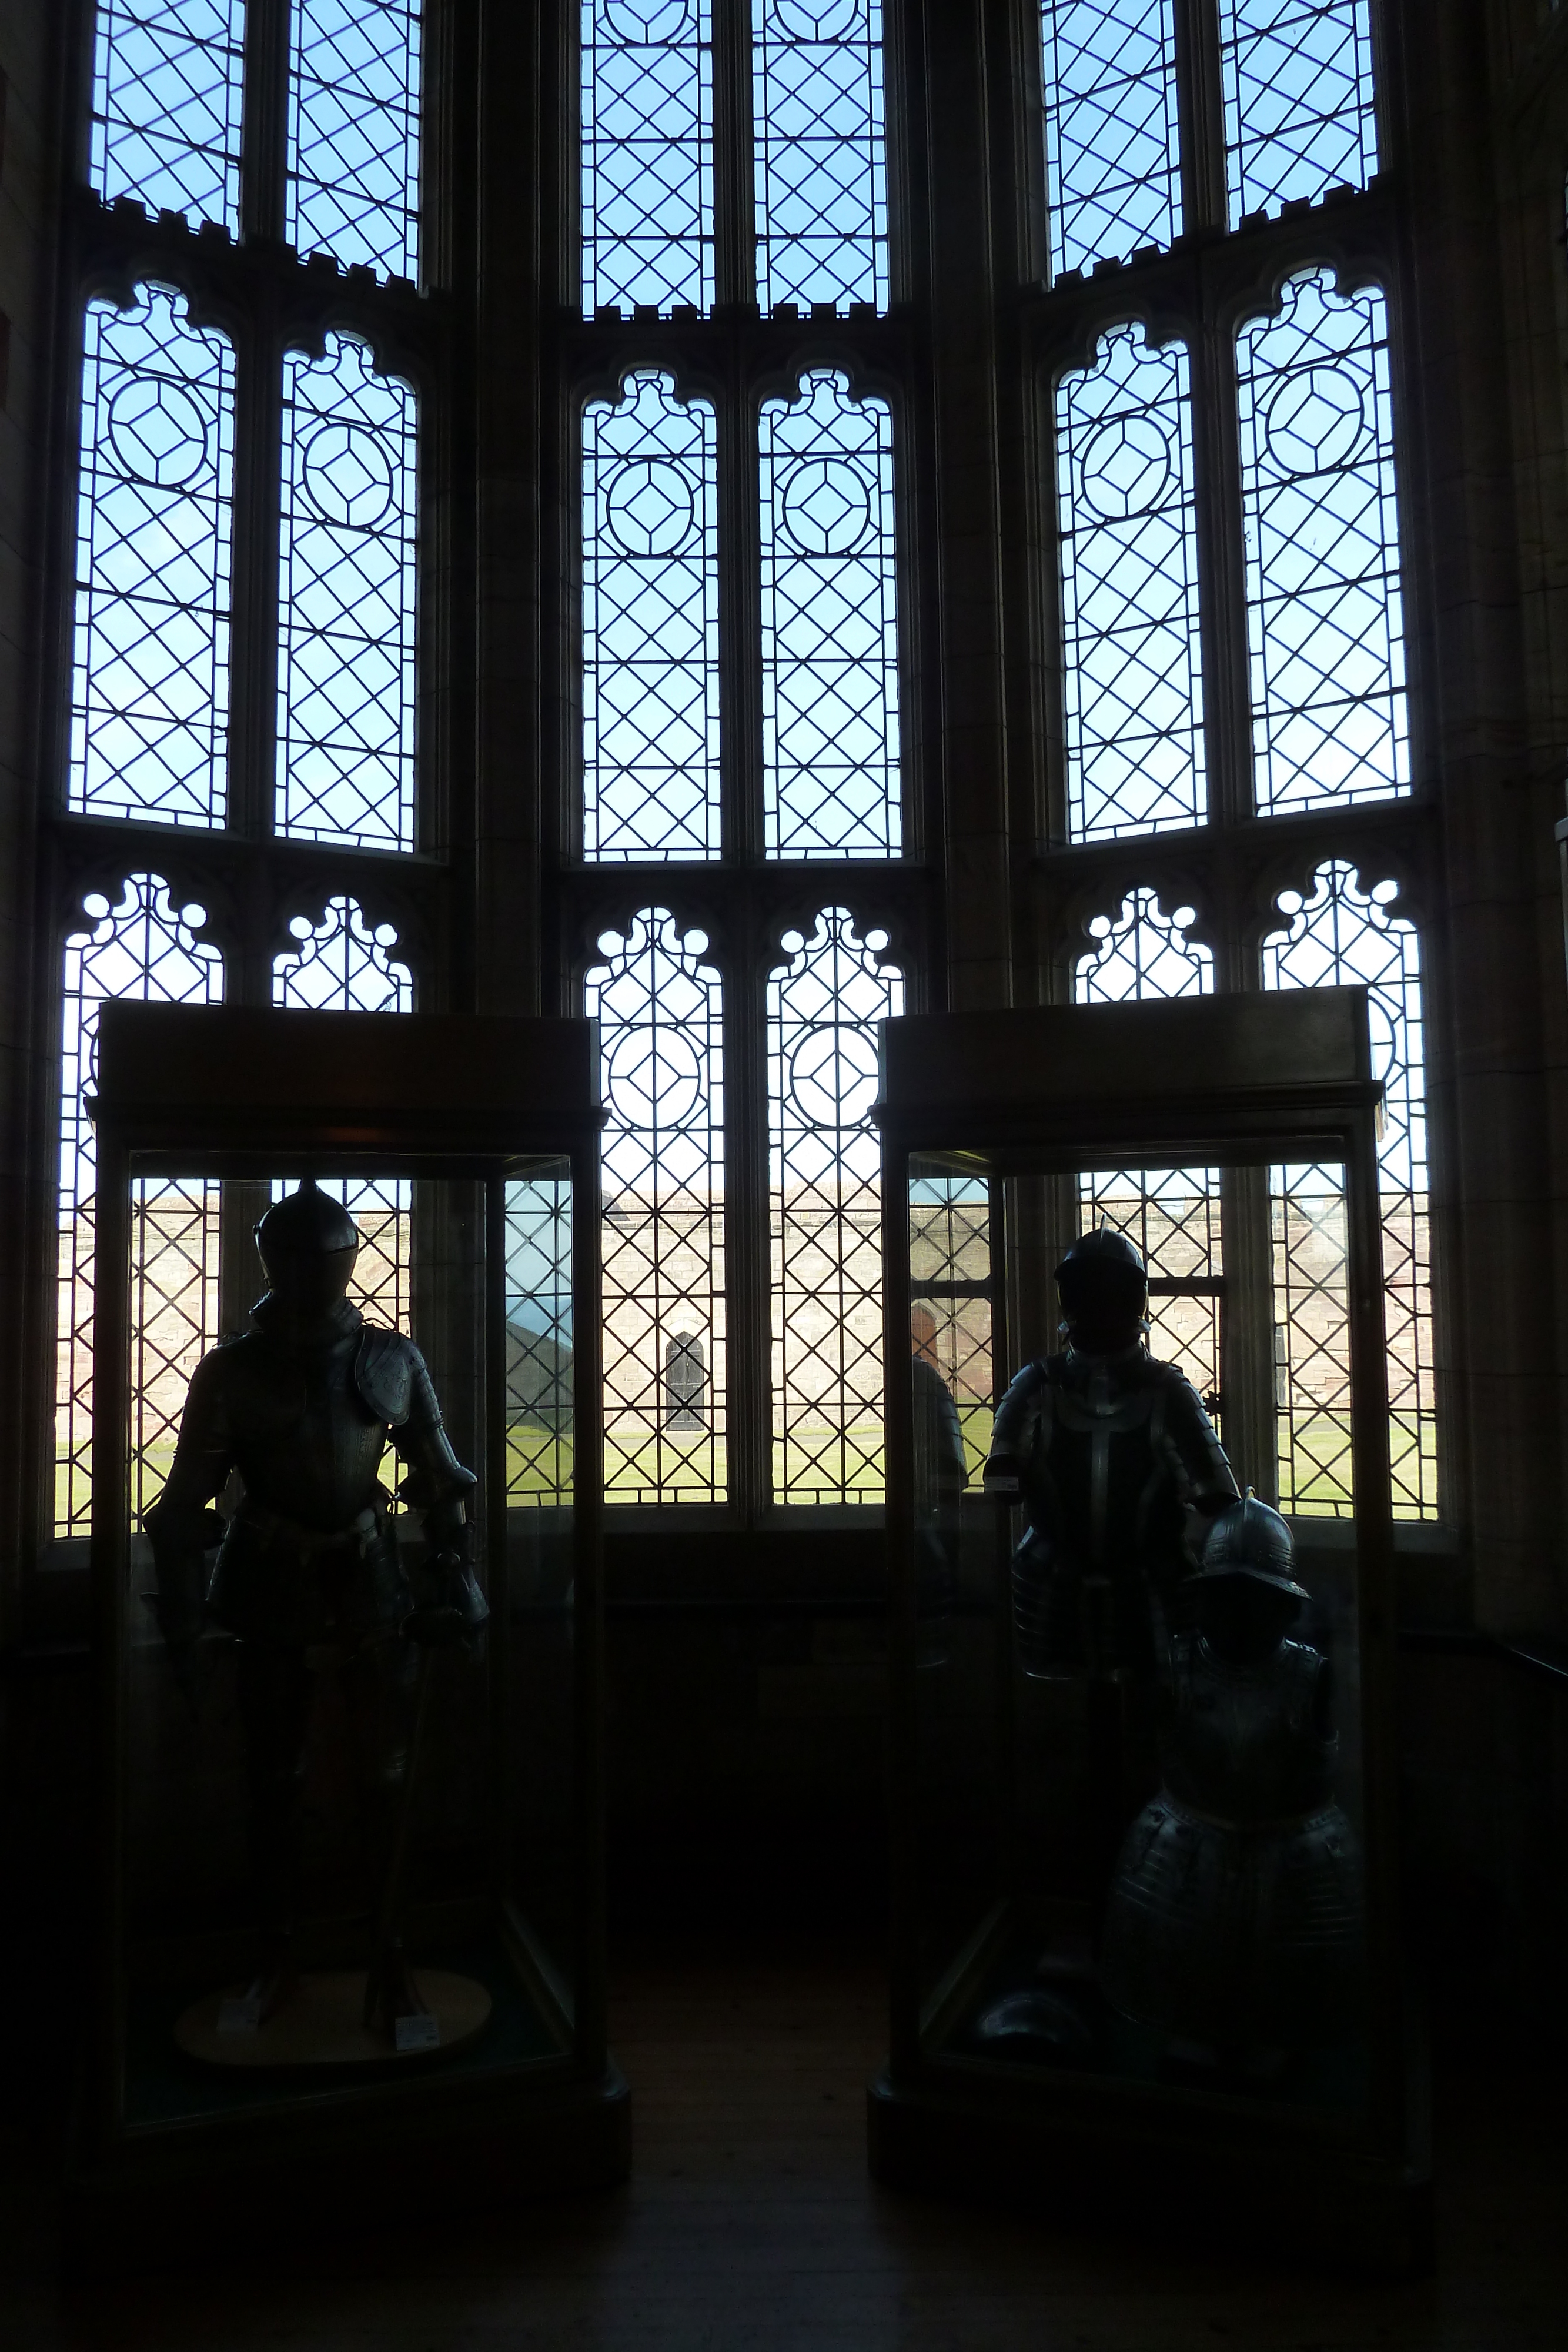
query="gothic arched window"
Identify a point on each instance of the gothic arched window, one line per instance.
(1235, 802)
(241, 773)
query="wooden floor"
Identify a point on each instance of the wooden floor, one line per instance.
(751, 2224)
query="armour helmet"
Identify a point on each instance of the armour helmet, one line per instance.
(307, 1224)
(1251, 1539)
(1103, 1269)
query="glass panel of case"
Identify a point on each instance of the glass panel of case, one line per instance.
(347, 1684)
(1137, 1816)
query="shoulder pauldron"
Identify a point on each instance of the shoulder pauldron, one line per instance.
(384, 1371)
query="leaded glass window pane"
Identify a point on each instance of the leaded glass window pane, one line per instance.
(951, 1291)
(822, 172)
(353, 133)
(1132, 654)
(148, 948)
(1324, 613)
(1298, 100)
(1341, 935)
(1172, 1214)
(829, 635)
(660, 1010)
(150, 682)
(344, 964)
(540, 1398)
(347, 601)
(650, 627)
(647, 153)
(166, 95)
(1143, 951)
(1112, 148)
(824, 1004)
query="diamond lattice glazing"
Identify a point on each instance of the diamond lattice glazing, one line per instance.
(1143, 952)
(1341, 935)
(650, 627)
(823, 1006)
(822, 169)
(647, 153)
(347, 587)
(344, 964)
(1113, 158)
(540, 1392)
(951, 1287)
(1131, 648)
(1172, 1214)
(829, 628)
(1323, 603)
(147, 949)
(1299, 116)
(353, 133)
(149, 685)
(660, 1010)
(166, 100)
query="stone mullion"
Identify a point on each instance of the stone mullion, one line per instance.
(264, 150)
(967, 755)
(1222, 587)
(748, 1260)
(1201, 110)
(746, 1264)
(745, 1216)
(735, 230)
(258, 430)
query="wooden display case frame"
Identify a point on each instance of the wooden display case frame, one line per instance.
(237, 1092)
(1220, 1079)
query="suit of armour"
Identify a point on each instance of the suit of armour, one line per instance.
(307, 1572)
(1112, 1453)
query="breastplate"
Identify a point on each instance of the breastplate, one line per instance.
(1095, 1470)
(306, 1445)
(1242, 1743)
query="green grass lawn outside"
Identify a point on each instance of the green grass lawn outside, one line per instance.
(1315, 1474)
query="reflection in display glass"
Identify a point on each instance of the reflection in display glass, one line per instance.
(1146, 1865)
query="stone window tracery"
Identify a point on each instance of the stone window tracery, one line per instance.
(1232, 647)
(740, 725)
(244, 655)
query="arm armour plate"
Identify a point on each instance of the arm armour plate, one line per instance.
(181, 1524)
(395, 1382)
(1204, 1475)
(1017, 1415)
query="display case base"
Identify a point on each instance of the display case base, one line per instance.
(176, 2200)
(1155, 2180)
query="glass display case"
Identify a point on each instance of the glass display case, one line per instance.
(1146, 1945)
(345, 1562)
